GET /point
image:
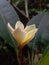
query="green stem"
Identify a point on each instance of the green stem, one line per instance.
(18, 57)
(29, 58)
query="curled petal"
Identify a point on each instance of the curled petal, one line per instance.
(10, 28)
(19, 35)
(19, 25)
(29, 36)
(30, 27)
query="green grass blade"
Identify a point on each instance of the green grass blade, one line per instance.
(45, 59)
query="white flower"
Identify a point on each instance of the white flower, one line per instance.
(23, 35)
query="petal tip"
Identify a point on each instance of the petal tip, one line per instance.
(10, 27)
(19, 24)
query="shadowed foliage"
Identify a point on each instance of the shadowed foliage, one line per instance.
(8, 12)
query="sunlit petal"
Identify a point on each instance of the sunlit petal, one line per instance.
(19, 25)
(30, 35)
(10, 28)
(19, 35)
(30, 27)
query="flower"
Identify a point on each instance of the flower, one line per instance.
(22, 35)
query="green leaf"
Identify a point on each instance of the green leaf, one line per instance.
(5, 34)
(36, 19)
(45, 59)
(42, 35)
(8, 12)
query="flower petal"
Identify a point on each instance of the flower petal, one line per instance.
(30, 27)
(19, 35)
(10, 28)
(30, 35)
(19, 25)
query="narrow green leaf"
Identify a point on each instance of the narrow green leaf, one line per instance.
(45, 59)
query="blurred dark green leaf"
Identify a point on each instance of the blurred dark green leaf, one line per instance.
(8, 12)
(36, 19)
(5, 34)
(42, 35)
